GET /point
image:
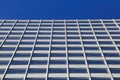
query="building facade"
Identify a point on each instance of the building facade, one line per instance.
(60, 49)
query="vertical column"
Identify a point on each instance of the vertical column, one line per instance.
(112, 39)
(14, 51)
(101, 51)
(67, 59)
(31, 54)
(7, 34)
(48, 62)
(83, 51)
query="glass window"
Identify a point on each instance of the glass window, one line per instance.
(3, 62)
(2, 71)
(115, 70)
(15, 71)
(58, 48)
(58, 54)
(98, 70)
(108, 48)
(95, 61)
(57, 62)
(37, 70)
(38, 62)
(57, 70)
(113, 61)
(75, 54)
(57, 78)
(93, 54)
(18, 62)
(91, 48)
(76, 62)
(74, 48)
(5, 55)
(77, 70)
(75, 78)
(100, 78)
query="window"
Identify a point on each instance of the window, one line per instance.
(93, 54)
(98, 70)
(76, 62)
(95, 61)
(58, 54)
(57, 78)
(115, 70)
(75, 54)
(77, 70)
(57, 62)
(57, 70)
(36, 70)
(16, 71)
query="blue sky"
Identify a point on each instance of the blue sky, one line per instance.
(59, 9)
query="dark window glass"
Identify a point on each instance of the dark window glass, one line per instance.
(16, 71)
(103, 37)
(75, 54)
(57, 70)
(73, 37)
(111, 54)
(89, 42)
(116, 78)
(87, 37)
(113, 61)
(102, 33)
(117, 42)
(74, 48)
(57, 78)
(76, 62)
(95, 78)
(35, 78)
(22, 55)
(13, 79)
(15, 62)
(105, 42)
(36, 70)
(38, 62)
(58, 42)
(58, 48)
(91, 48)
(24, 48)
(98, 70)
(40, 55)
(7, 48)
(24, 43)
(93, 54)
(4, 62)
(41, 48)
(57, 62)
(77, 70)
(110, 25)
(95, 62)
(42, 42)
(85, 29)
(98, 28)
(58, 54)
(116, 37)
(108, 48)
(75, 78)
(2, 71)
(115, 70)
(74, 42)
(5, 55)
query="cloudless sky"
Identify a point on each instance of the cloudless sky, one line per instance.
(59, 9)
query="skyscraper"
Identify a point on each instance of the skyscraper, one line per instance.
(60, 49)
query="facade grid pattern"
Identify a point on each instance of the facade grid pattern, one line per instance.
(60, 49)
